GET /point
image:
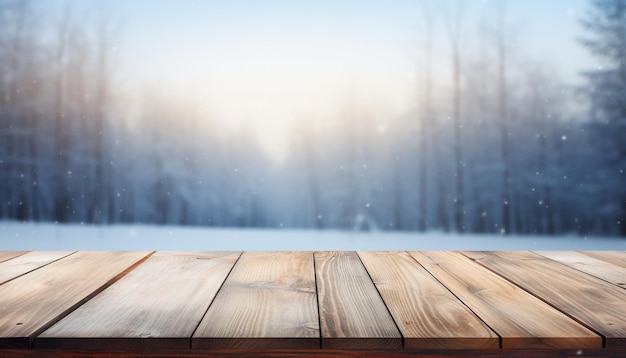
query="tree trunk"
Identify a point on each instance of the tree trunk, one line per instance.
(504, 127)
(458, 202)
(60, 137)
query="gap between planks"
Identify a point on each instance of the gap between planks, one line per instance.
(316, 282)
(498, 303)
(29, 262)
(594, 303)
(34, 302)
(157, 306)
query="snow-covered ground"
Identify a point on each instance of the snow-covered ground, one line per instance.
(46, 236)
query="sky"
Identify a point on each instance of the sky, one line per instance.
(268, 62)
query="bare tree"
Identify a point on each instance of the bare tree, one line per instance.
(503, 120)
(12, 167)
(313, 178)
(427, 116)
(543, 110)
(61, 148)
(455, 30)
(79, 126)
(102, 202)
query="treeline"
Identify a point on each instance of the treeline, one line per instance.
(499, 146)
(55, 101)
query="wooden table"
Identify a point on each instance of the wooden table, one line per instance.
(302, 303)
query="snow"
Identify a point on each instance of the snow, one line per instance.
(47, 236)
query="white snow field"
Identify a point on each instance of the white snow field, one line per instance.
(49, 236)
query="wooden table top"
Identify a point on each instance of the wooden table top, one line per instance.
(142, 303)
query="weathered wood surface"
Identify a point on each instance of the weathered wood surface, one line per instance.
(7, 255)
(595, 303)
(156, 306)
(615, 257)
(601, 269)
(428, 315)
(28, 262)
(31, 303)
(305, 303)
(499, 303)
(268, 301)
(352, 314)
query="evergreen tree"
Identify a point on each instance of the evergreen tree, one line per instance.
(606, 26)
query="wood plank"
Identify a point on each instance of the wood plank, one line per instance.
(597, 304)
(615, 257)
(520, 319)
(427, 314)
(31, 261)
(33, 302)
(7, 255)
(352, 313)
(267, 302)
(598, 268)
(156, 306)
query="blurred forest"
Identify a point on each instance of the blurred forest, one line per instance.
(502, 145)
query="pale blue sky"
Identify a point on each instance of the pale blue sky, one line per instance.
(160, 34)
(273, 59)
(154, 27)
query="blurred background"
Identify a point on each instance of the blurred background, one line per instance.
(456, 116)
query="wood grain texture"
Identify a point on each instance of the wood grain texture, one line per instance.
(156, 306)
(428, 315)
(596, 303)
(7, 255)
(28, 262)
(615, 257)
(267, 302)
(352, 313)
(271, 306)
(31, 303)
(595, 267)
(499, 303)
